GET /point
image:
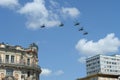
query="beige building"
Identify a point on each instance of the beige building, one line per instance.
(18, 63)
(100, 77)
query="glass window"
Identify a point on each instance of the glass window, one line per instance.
(28, 74)
(7, 59)
(28, 61)
(0, 59)
(12, 59)
(9, 72)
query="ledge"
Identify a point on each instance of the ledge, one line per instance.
(21, 66)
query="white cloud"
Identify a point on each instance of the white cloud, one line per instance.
(53, 3)
(9, 3)
(72, 12)
(82, 59)
(46, 72)
(109, 44)
(59, 72)
(38, 14)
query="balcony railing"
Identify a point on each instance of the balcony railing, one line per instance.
(20, 65)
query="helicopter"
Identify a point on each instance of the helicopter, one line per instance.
(61, 25)
(81, 29)
(76, 24)
(43, 26)
(85, 33)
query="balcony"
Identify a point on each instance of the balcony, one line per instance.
(20, 65)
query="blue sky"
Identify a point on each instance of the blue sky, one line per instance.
(62, 50)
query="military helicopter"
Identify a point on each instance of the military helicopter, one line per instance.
(43, 26)
(81, 29)
(61, 25)
(76, 24)
(85, 33)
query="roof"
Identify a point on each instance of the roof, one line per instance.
(99, 75)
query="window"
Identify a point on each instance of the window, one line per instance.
(28, 61)
(94, 78)
(7, 59)
(28, 74)
(0, 59)
(9, 72)
(12, 59)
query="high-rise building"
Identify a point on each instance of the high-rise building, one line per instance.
(103, 64)
(102, 67)
(18, 63)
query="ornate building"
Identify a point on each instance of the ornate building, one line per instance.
(18, 63)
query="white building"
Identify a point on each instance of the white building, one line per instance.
(18, 63)
(101, 64)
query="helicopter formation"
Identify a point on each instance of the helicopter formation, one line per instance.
(76, 24)
(81, 29)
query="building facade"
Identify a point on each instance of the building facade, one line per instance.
(102, 67)
(18, 63)
(103, 64)
(100, 77)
